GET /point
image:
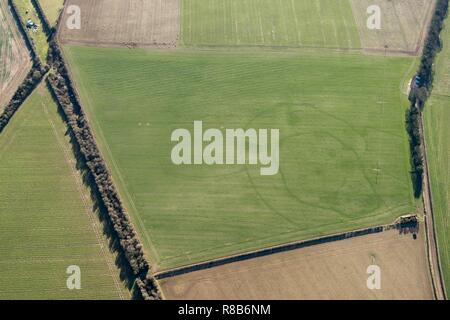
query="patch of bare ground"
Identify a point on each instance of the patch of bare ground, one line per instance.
(123, 23)
(335, 270)
(404, 25)
(15, 61)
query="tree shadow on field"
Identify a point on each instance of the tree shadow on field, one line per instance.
(126, 275)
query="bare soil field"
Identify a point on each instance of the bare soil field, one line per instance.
(404, 24)
(130, 23)
(14, 59)
(336, 270)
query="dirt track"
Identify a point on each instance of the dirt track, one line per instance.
(124, 23)
(334, 270)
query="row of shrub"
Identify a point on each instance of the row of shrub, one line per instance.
(21, 26)
(433, 44)
(46, 26)
(413, 119)
(148, 288)
(32, 79)
(420, 92)
(61, 86)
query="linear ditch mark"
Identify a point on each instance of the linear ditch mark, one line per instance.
(284, 248)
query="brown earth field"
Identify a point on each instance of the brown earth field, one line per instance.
(404, 24)
(335, 270)
(129, 23)
(15, 61)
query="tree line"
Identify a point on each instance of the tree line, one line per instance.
(46, 26)
(420, 92)
(61, 86)
(31, 81)
(21, 26)
(33, 77)
(433, 44)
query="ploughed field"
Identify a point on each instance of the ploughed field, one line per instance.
(343, 148)
(47, 220)
(148, 23)
(14, 59)
(336, 270)
(404, 25)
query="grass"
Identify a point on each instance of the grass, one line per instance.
(27, 11)
(52, 8)
(293, 23)
(46, 218)
(344, 151)
(437, 116)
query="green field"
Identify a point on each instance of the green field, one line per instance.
(52, 8)
(39, 38)
(343, 156)
(46, 218)
(437, 118)
(293, 23)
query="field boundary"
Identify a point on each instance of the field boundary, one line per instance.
(426, 28)
(419, 156)
(284, 248)
(430, 225)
